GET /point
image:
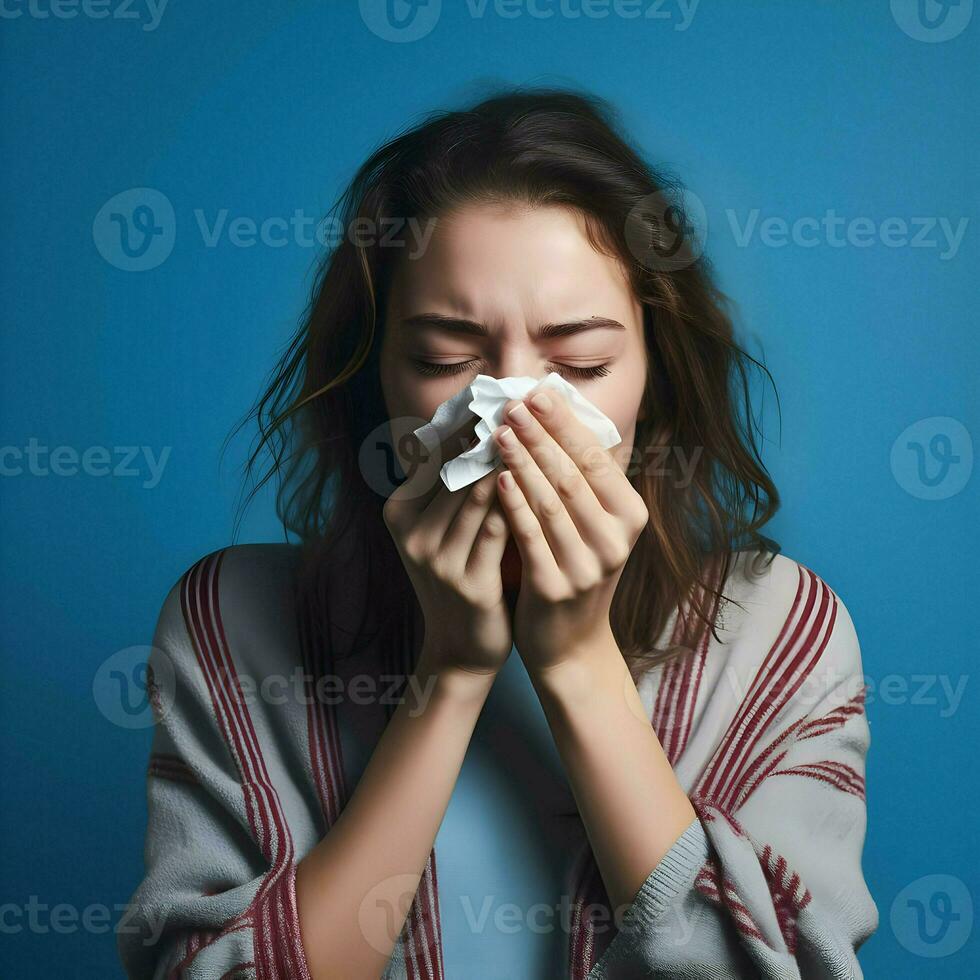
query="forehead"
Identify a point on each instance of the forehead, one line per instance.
(495, 262)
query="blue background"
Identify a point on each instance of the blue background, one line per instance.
(264, 108)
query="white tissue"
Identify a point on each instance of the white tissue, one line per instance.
(486, 397)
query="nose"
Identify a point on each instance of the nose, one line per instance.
(517, 361)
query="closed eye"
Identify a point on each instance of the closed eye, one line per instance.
(431, 369)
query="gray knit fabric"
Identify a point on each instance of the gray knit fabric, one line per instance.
(766, 732)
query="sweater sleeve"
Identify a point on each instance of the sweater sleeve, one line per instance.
(767, 880)
(217, 898)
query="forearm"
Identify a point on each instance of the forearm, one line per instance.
(630, 801)
(354, 889)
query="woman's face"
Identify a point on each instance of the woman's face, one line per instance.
(510, 291)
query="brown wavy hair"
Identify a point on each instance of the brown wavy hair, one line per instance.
(535, 147)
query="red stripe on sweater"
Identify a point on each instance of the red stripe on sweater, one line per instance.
(721, 762)
(673, 712)
(271, 815)
(326, 757)
(423, 952)
(172, 768)
(277, 955)
(279, 952)
(278, 848)
(576, 934)
(585, 948)
(836, 718)
(191, 619)
(783, 678)
(235, 970)
(801, 730)
(787, 683)
(714, 885)
(671, 683)
(437, 924)
(667, 692)
(848, 782)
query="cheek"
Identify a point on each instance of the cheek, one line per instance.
(406, 392)
(624, 453)
(620, 401)
(410, 402)
(401, 407)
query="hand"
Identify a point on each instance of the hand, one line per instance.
(451, 545)
(575, 518)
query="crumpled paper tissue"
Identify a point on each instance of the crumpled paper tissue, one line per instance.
(486, 396)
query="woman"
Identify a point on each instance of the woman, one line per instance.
(579, 718)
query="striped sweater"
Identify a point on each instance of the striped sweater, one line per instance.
(251, 764)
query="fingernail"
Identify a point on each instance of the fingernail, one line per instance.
(520, 414)
(540, 402)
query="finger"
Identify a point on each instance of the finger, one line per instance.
(424, 483)
(457, 517)
(581, 445)
(491, 539)
(570, 551)
(563, 477)
(536, 555)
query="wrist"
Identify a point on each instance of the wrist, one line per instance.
(595, 690)
(451, 681)
(582, 675)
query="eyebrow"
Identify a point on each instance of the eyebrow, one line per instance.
(547, 331)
